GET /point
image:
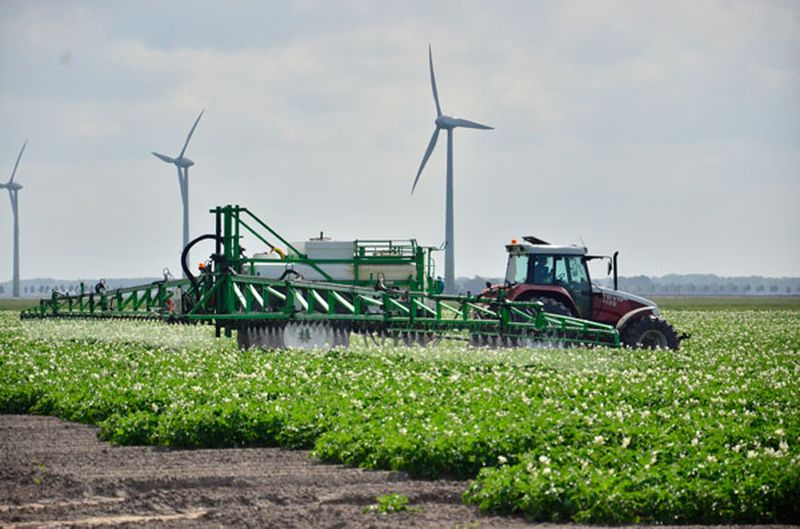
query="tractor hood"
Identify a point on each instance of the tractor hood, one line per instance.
(620, 295)
(491, 291)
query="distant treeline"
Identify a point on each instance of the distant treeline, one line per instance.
(678, 285)
(669, 285)
(710, 285)
(37, 288)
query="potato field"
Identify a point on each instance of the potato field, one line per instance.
(707, 434)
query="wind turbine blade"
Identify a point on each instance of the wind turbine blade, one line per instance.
(14, 172)
(163, 157)
(189, 137)
(433, 83)
(428, 152)
(469, 124)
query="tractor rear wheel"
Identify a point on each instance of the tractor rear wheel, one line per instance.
(650, 333)
(554, 306)
(551, 305)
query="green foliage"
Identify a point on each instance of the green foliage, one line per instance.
(708, 434)
(728, 303)
(38, 477)
(18, 304)
(389, 503)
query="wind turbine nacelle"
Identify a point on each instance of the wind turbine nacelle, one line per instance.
(11, 186)
(183, 162)
(445, 122)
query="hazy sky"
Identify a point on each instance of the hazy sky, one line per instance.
(666, 130)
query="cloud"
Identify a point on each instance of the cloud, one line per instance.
(318, 115)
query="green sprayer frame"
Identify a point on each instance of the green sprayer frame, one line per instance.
(230, 295)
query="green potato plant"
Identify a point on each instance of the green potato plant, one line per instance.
(707, 434)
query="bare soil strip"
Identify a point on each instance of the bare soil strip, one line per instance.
(110, 520)
(51, 504)
(55, 473)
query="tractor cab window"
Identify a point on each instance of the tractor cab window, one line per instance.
(577, 270)
(517, 271)
(541, 272)
(562, 278)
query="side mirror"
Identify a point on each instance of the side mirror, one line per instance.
(608, 273)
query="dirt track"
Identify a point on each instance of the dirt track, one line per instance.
(55, 474)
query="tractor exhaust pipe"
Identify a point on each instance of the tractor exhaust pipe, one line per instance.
(616, 277)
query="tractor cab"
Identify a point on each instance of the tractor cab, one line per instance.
(553, 269)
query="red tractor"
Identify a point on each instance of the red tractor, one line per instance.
(558, 277)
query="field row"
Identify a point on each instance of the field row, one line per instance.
(709, 434)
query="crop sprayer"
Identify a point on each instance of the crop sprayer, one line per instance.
(317, 293)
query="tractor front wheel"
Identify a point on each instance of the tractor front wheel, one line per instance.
(650, 333)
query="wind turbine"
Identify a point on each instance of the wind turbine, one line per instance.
(13, 189)
(183, 164)
(447, 123)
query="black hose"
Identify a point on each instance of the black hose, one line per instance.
(185, 256)
(288, 271)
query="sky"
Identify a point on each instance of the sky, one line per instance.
(666, 130)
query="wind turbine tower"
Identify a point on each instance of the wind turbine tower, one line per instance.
(183, 164)
(13, 189)
(447, 123)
